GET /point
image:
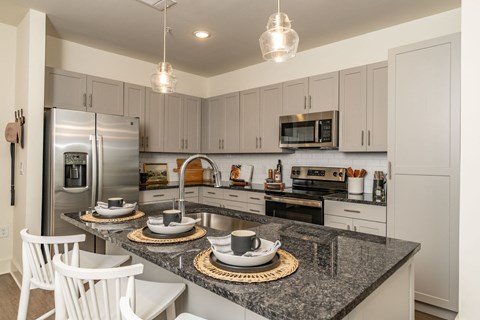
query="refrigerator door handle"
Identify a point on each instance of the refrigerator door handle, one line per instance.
(100, 167)
(94, 170)
(75, 190)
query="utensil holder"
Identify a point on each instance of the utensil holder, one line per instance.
(355, 185)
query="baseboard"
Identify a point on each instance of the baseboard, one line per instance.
(16, 273)
(5, 266)
(435, 311)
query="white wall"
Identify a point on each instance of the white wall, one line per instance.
(8, 45)
(72, 56)
(361, 50)
(470, 159)
(29, 95)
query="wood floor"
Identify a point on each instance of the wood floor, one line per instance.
(42, 301)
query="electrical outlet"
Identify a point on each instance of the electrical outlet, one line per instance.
(3, 231)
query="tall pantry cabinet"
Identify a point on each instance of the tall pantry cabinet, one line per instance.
(424, 160)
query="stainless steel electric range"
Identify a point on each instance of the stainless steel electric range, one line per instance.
(304, 200)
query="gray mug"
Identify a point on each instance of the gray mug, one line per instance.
(171, 215)
(115, 202)
(243, 241)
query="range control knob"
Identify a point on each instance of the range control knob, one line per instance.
(340, 174)
(335, 173)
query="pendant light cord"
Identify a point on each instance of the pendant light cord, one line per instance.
(165, 30)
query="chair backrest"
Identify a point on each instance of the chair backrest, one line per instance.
(93, 293)
(126, 310)
(37, 253)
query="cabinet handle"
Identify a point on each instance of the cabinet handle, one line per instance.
(362, 137)
(223, 144)
(219, 143)
(368, 137)
(348, 227)
(209, 192)
(256, 143)
(260, 142)
(147, 141)
(158, 195)
(189, 192)
(91, 100)
(186, 143)
(253, 210)
(233, 195)
(389, 170)
(182, 144)
(254, 198)
(354, 211)
(84, 99)
(141, 141)
(310, 104)
(304, 102)
(354, 228)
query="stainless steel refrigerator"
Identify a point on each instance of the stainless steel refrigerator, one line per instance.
(88, 157)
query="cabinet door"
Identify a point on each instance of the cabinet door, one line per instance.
(370, 227)
(338, 222)
(134, 99)
(323, 92)
(377, 105)
(295, 94)
(192, 107)
(424, 152)
(155, 113)
(231, 142)
(353, 109)
(249, 120)
(271, 98)
(215, 123)
(173, 123)
(105, 96)
(65, 89)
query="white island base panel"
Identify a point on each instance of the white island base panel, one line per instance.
(393, 300)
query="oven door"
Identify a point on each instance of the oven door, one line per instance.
(304, 210)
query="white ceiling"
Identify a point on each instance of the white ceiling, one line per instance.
(131, 28)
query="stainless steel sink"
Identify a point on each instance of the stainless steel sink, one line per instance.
(223, 223)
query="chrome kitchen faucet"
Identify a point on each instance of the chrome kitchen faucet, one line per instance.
(216, 178)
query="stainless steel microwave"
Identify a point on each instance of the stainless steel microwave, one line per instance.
(310, 130)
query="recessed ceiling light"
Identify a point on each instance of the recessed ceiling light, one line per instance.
(201, 34)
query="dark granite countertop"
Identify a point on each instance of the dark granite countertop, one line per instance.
(366, 198)
(256, 187)
(337, 270)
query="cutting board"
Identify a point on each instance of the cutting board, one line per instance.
(194, 171)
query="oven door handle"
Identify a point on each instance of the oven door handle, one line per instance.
(300, 202)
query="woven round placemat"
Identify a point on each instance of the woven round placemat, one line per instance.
(91, 218)
(138, 236)
(288, 265)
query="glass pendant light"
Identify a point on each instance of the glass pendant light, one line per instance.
(280, 42)
(163, 80)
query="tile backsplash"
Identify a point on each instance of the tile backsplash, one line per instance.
(262, 162)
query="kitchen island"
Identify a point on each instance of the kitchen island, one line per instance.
(341, 274)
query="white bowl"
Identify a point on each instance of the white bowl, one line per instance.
(113, 212)
(241, 261)
(186, 224)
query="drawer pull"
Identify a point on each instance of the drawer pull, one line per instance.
(354, 228)
(158, 195)
(255, 198)
(189, 192)
(233, 195)
(354, 211)
(253, 210)
(210, 192)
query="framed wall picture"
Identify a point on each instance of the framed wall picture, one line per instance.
(157, 172)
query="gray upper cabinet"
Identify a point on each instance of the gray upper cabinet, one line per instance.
(75, 91)
(363, 108)
(65, 89)
(222, 131)
(154, 121)
(182, 123)
(313, 94)
(260, 109)
(104, 95)
(134, 106)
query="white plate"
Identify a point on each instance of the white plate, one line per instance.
(241, 261)
(187, 224)
(113, 212)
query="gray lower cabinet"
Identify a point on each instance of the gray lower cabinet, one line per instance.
(221, 129)
(424, 157)
(182, 123)
(260, 110)
(154, 121)
(363, 108)
(75, 91)
(134, 106)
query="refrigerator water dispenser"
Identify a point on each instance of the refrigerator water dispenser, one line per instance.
(75, 169)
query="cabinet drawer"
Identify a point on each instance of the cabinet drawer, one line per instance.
(370, 227)
(337, 222)
(191, 192)
(356, 210)
(235, 205)
(256, 208)
(256, 198)
(213, 202)
(235, 195)
(212, 193)
(157, 195)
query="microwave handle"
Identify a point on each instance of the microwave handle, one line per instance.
(318, 129)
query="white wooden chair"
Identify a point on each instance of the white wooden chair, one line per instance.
(82, 293)
(128, 314)
(38, 271)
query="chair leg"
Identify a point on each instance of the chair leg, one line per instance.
(24, 297)
(170, 312)
(46, 315)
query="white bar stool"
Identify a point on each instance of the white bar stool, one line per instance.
(128, 314)
(38, 272)
(82, 293)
